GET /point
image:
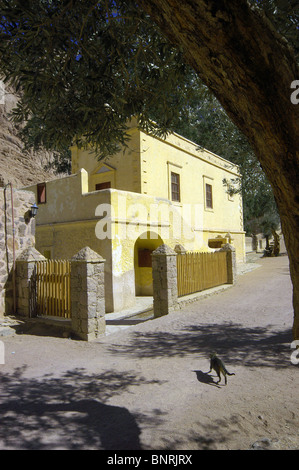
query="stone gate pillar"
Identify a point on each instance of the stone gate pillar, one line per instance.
(164, 280)
(25, 281)
(230, 262)
(88, 294)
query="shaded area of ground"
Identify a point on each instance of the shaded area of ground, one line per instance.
(67, 412)
(256, 346)
(148, 386)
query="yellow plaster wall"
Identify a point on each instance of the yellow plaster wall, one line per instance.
(138, 203)
(126, 163)
(196, 168)
(67, 222)
(134, 216)
(65, 200)
(145, 167)
(65, 240)
(131, 218)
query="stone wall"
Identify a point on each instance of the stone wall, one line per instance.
(24, 237)
(87, 291)
(25, 281)
(88, 294)
(164, 280)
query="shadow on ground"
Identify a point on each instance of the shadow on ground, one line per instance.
(62, 328)
(38, 327)
(205, 378)
(69, 412)
(257, 346)
(130, 321)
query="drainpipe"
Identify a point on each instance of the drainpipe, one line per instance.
(13, 249)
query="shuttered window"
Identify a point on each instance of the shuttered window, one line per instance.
(175, 187)
(209, 196)
(41, 193)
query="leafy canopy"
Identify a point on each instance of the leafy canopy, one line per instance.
(85, 68)
(209, 124)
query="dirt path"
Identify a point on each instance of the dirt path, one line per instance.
(147, 387)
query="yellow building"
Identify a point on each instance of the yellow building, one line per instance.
(155, 191)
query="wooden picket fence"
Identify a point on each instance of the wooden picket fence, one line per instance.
(53, 290)
(199, 271)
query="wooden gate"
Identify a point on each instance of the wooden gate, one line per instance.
(200, 271)
(53, 293)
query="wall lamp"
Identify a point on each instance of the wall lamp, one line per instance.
(30, 214)
(33, 210)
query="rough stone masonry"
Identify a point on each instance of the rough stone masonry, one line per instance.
(88, 294)
(15, 236)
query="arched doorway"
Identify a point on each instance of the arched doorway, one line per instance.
(145, 244)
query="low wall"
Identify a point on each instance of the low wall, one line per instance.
(87, 291)
(165, 277)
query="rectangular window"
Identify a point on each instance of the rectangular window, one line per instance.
(175, 187)
(41, 193)
(105, 185)
(209, 196)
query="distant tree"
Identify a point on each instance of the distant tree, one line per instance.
(61, 162)
(208, 125)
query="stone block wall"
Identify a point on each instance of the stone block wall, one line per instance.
(231, 262)
(24, 237)
(88, 294)
(164, 280)
(87, 291)
(25, 281)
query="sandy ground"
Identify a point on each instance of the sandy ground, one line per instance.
(147, 387)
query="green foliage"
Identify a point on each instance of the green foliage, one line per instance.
(210, 127)
(84, 68)
(61, 162)
(284, 14)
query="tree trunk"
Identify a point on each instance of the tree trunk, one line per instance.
(276, 247)
(249, 68)
(267, 243)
